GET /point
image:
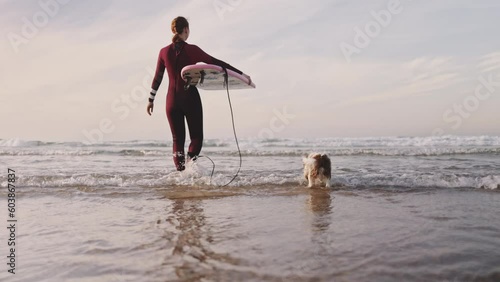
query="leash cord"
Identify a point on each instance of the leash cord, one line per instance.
(226, 81)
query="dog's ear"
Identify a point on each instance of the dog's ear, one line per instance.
(317, 157)
(325, 159)
(327, 165)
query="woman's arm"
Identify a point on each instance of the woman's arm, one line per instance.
(201, 56)
(160, 70)
(225, 65)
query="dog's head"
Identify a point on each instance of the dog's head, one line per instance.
(316, 164)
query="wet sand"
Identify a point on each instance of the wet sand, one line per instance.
(268, 233)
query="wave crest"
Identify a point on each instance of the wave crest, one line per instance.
(161, 179)
(429, 151)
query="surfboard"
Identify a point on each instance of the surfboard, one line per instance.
(211, 77)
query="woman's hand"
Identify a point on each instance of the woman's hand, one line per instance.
(150, 108)
(249, 79)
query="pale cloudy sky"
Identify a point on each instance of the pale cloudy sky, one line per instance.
(322, 68)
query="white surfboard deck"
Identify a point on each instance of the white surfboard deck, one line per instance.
(211, 77)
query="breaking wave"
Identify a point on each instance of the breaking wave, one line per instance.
(162, 179)
(413, 151)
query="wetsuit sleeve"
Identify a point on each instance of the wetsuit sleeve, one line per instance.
(201, 56)
(160, 70)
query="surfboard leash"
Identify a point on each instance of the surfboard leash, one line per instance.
(213, 168)
(226, 82)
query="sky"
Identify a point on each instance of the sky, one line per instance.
(81, 70)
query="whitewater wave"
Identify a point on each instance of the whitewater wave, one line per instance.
(428, 151)
(362, 142)
(412, 162)
(162, 179)
(19, 143)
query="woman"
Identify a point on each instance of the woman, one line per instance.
(182, 103)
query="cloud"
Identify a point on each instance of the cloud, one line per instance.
(93, 53)
(490, 63)
(398, 80)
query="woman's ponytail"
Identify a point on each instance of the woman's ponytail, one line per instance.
(175, 38)
(177, 27)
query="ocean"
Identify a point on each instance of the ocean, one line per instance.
(399, 209)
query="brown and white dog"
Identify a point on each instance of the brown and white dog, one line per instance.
(317, 169)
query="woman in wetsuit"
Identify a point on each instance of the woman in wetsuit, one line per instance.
(182, 102)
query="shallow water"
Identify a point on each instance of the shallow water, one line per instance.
(413, 162)
(401, 209)
(275, 233)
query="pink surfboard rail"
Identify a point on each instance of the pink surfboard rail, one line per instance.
(211, 77)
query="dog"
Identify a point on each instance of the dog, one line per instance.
(317, 169)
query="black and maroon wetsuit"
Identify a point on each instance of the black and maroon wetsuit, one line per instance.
(183, 103)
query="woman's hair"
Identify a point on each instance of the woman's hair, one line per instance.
(178, 25)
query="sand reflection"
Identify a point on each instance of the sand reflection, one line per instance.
(319, 203)
(191, 255)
